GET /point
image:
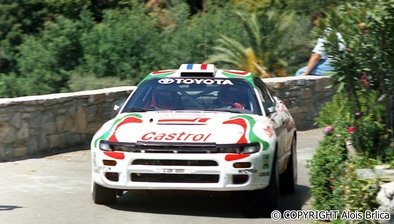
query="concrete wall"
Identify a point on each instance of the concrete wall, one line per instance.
(34, 125)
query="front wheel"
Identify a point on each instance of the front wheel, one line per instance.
(288, 179)
(260, 203)
(103, 195)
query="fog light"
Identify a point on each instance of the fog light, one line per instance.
(242, 165)
(112, 176)
(240, 178)
(107, 162)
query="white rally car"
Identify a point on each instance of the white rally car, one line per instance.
(198, 128)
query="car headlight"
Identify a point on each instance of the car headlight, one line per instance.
(120, 148)
(251, 149)
(103, 145)
(241, 149)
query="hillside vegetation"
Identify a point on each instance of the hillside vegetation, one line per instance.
(49, 46)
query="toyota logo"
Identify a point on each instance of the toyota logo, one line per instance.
(166, 81)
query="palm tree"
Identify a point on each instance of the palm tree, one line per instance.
(263, 52)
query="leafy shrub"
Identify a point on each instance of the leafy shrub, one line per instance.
(358, 194)
(338, 107)
(117, 46)
(44, 59)
(80, 82)
(325, 168)
(9, 85)
(191, 40)
(362, 110)
(368, 30)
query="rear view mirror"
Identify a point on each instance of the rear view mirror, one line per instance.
(269, 108)
(118, 104)
(117, 107)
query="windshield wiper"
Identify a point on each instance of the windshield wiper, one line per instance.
(136, 109)
(231, 110)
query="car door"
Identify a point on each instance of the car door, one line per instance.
(278, 120)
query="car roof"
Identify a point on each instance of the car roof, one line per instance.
(200, 71)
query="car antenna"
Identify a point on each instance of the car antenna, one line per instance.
(205, 35)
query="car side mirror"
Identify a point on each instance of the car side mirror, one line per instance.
(118, 104)
(269, 107)
(117, 107)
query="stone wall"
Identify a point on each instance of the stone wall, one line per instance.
(303, 96)
(31, 126)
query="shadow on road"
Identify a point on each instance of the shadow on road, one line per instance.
(198, 203)
(8, 207)
(297, 200)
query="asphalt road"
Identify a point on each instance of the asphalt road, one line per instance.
(56, 189)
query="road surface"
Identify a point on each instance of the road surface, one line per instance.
(56, 189)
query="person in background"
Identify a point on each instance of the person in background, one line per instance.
(319, 62)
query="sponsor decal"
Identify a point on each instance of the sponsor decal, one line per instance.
(125, 121)
(247, 171)
(232, 157)
(241, 122)
(237, 72)
(182, 136)
(166, 81)
(115, 155)
(266, 161)
(269, 131)
(198, 120)
(264, 174)
(109, 134)
(161, 72)
(247, 122)
(195, 66)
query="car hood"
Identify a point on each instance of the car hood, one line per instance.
(181, 127)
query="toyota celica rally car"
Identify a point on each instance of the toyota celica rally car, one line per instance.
(198, 128)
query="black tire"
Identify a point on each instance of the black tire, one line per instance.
(288, 179)
(103, 195)
(260, 203)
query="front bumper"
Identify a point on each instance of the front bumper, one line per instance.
(176, 171)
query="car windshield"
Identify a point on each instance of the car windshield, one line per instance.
(207, 94)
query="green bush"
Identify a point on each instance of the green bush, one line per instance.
(368, 30)
(370, 135)
(338, 107)
(9, 85)
(117, 46)
(325, 169)
(192, 39)
(361, 112)
(357, 194)
(44, 60)
(80, 82)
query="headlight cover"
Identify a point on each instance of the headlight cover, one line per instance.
(104, 145)
(240, 149)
